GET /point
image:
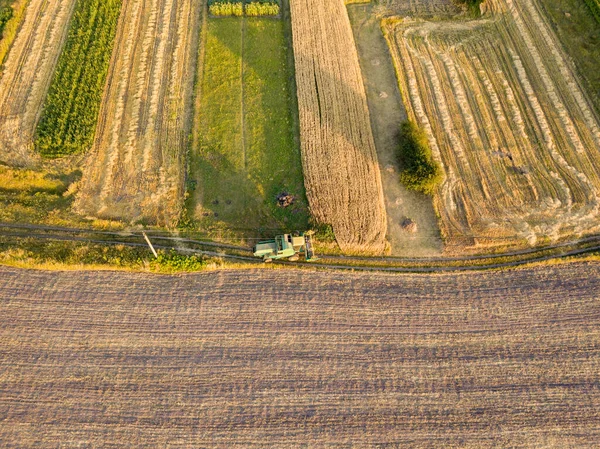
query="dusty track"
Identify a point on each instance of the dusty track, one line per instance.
(241, 359)
(136, 168)
(27, 74)
(507, 118)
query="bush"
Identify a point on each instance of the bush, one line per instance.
(420, 171)
(226, 9)
(256, 9)
(6, 13)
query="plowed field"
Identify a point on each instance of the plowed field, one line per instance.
(27, 74)
(506, 116)
(292, 359)
(136, 168)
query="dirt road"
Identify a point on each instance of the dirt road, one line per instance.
(301, 359)
(387, 114)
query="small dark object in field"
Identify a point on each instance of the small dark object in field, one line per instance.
(215, 202)
(205, 214)
(216, 214)
(409, 225)
(227, 201)
(285, 199)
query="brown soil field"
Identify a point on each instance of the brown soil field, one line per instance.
(27, 74)
(299, 359)
(506, 116)
(341, 171)
(136, 168)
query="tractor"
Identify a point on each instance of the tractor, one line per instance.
(286, 246)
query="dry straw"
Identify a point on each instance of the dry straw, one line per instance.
(340, 164)
(135, 170)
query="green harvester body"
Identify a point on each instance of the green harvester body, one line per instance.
(285, 246)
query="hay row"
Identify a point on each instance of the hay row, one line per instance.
(341, 170)
(136, 168)
(27, 74)
(507, 118)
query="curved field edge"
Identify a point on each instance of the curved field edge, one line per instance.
(26, 77)
(482, 102)
(70, 114)
(412, 360)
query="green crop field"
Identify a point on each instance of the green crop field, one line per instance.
(246, 152)
(579, 33)
(71, 109)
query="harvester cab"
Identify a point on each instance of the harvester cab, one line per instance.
(286, 246)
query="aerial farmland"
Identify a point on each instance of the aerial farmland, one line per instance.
(394, 204)
(234, 121)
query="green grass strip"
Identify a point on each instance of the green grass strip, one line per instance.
(70, 113)
(594, 6)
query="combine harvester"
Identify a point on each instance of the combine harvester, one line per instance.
(286, 246)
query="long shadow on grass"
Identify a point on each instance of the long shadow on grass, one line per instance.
(237, 191)
(256, 203)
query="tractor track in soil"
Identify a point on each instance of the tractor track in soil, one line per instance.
(331, 262)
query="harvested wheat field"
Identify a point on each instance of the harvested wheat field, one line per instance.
(506, 116)
(239, 359)
(136, 168)
(26, 76)
(341, 172)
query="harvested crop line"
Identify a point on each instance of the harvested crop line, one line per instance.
(506, 116)
(342, 177)
(27, 75)
(136, 168)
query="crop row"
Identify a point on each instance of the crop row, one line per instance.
(250, 8)
(71, 109)
(341, 169)
(505, 116)
(135, 169)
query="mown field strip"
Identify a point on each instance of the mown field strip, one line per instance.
(507, 117)
(70, 114)
(341, 170)
(27, 74)
(136, 168)
(246, 154)
(238, 358)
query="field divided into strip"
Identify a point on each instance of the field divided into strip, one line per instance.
(26, 76)
(507, 118)
(243, 359)
(246, 152)
(136, 169)
(70, 113)
(341, 170)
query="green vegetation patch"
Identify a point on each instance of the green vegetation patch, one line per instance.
(250, 8)
(594, 6)
(579, 33)
(420, 171)
(247, 153)
(6, 13)
(30, 252)
(70, 113)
